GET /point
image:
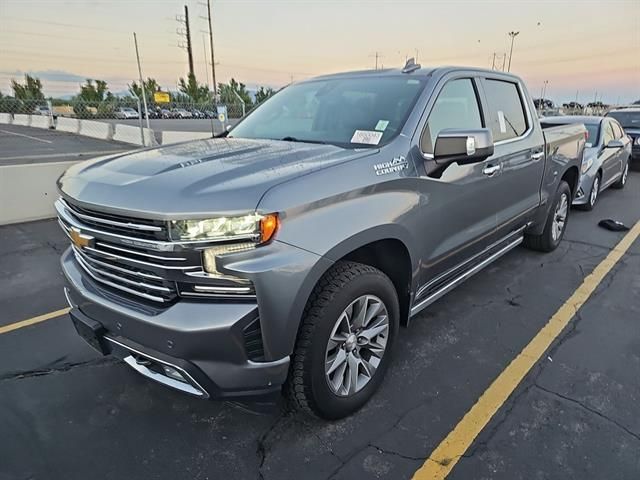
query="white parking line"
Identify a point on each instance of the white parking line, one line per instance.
(27, 136)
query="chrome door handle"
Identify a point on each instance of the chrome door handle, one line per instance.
(491, 170)
(537, 156)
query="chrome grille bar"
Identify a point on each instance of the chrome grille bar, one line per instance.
(134, 226)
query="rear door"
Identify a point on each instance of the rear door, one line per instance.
(457, 219)
(609, 156)
(518, 152)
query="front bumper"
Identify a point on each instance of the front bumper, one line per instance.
(584, 188)
(203, 342)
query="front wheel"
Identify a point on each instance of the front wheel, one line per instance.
(343, 346)
(593, 195)
(622, 181)
(556, 223)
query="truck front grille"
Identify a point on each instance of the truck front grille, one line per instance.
(135, 265)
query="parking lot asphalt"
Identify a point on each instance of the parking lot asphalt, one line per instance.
(24, 145)
(67, 413)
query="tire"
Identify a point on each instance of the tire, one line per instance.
(549, 239)
(341, 288)
(622, 181)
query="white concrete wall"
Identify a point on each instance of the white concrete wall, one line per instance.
(101, 130)
(6, 118)
(131, 134)
(27, 192)
(175, 137)
(22, 119)
(70, 125)
(40, 121)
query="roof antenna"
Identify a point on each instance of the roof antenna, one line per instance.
(411, 66)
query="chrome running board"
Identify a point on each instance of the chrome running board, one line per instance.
(464, 276)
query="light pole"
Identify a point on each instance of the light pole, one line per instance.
(513, 36)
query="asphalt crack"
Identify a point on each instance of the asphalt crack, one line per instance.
(262, 449)
(590, 410)
(98, 362)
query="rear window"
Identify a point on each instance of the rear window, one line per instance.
(507, 117)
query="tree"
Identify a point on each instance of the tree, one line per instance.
(227, 95)
(196, 92)
(95, 92)
(30, 90)
(263, 93)
(150, 87)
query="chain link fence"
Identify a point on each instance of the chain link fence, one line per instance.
(119, 119)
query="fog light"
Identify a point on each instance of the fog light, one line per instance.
(173, 373)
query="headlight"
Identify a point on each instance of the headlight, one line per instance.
(637, 140)
(258, 228)
(586, 164)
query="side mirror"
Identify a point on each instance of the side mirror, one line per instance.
(463, 146)
(614, 144)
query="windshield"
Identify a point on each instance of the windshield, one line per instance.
(626, 119)
(348, 112)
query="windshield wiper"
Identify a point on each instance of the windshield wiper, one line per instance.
(294, 139)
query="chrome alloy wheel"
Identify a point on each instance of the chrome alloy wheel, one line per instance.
(594, 191)
(625, 174)
(356, 345)
(560, 217)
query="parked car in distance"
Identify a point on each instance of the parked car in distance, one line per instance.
(605, 161)
(629, 119)
(197, 113)
(126, 113)
(181, 113)
(286, 256)
(41, 110)
(166, 113)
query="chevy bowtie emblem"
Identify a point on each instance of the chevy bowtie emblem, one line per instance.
(80, 239)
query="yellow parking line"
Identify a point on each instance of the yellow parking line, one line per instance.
(446, 455)
(32, 321)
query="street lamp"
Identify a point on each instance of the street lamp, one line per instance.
(513, 35)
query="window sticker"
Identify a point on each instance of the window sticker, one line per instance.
(366, 137)
(503, 124)
(382, 125)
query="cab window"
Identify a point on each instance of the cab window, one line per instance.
(508, 119)
(456, 107)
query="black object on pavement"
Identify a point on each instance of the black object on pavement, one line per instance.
(613, 225)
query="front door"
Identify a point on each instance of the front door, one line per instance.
(458, 217)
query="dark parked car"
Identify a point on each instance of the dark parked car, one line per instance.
(629, 118)
(166, 113)
(606, 157)
(288, 254)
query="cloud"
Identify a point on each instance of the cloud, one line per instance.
(49, 75)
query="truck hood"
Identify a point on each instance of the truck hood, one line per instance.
(196, 179)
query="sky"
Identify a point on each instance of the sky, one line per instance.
(583, 48)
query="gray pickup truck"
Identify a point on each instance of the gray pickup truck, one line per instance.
(285, 254)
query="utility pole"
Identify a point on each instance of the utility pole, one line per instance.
(213, 62)
(513, 36)
(377, 56)
(206, 71)
(144, 95)
(493, 63)
(504, 60)
(186, 33)
(544, 90)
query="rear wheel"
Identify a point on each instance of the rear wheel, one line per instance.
(344, 342)
(556, 222)
(622, 181)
